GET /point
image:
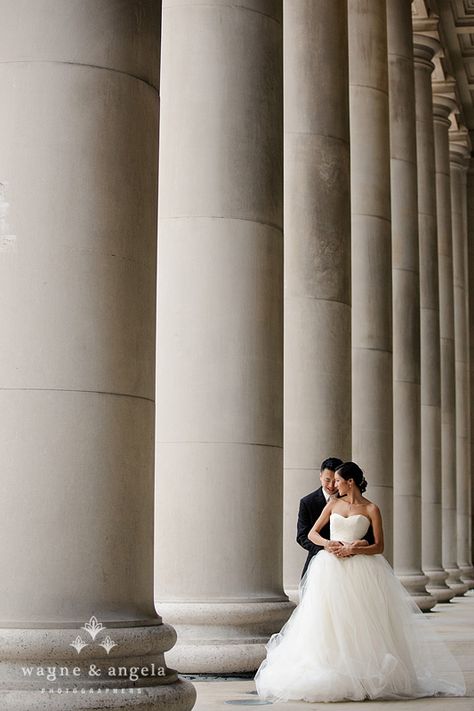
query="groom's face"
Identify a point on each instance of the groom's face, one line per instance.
(327, 481)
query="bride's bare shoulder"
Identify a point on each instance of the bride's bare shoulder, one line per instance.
(371, 507)
(330, 504)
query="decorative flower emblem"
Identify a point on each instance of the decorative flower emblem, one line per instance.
(93, 627)
(78, 644)
(108, 644)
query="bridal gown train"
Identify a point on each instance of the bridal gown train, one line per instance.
(356, 634)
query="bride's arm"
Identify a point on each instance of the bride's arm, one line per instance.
(314, 535)
(360, 543)
(356, 548)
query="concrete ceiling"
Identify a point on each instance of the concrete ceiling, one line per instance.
(452, 22)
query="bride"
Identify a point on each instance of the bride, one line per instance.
(356, 633)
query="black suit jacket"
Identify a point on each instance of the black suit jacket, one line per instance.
(310, 510)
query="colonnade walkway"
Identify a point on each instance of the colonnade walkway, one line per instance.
(453, 620)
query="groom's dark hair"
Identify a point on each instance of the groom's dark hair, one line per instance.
(332, 463)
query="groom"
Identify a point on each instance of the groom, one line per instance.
(312, 505)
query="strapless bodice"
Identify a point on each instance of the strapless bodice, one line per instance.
(348, 528)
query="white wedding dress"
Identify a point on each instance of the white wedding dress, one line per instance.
(356, 634)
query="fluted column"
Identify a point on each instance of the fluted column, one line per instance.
(459, 157)
(317, 254)
(79, 152)
(372, 431)
(406, 306)
(442, 107)
(424, 50)
(220, 333)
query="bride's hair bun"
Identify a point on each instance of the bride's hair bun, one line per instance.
(351, 470)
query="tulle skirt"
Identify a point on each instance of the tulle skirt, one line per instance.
(356, 634)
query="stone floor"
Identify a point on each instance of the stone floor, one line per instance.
(454, 621)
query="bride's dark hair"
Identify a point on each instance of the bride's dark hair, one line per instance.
(350, 470)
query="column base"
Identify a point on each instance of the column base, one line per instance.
(454, 581)
(93, 667)
(415, 584)
(467, 575)
(223, 638)
(293, 595)
(436, 585)
(179, 695)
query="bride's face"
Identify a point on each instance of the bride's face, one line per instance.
(342, 486)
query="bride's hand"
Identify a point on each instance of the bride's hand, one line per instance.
(333, 546)
(346, 550)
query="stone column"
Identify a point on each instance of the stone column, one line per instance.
(406, 306)
(317, 254)
(470, 330)
(79, 151)
(470, 573)
(469, 577)
(220, 333)
(442, 107)
(372, 431)
(424, 50)
(459, 157)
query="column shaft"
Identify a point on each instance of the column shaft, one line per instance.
(459, 156)
(469, 382)
(220, 333)
(424, 50)
(406, 306)
(77, 306)
(470, 330)
(442, 107)
(372, 417)
(317, 254)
